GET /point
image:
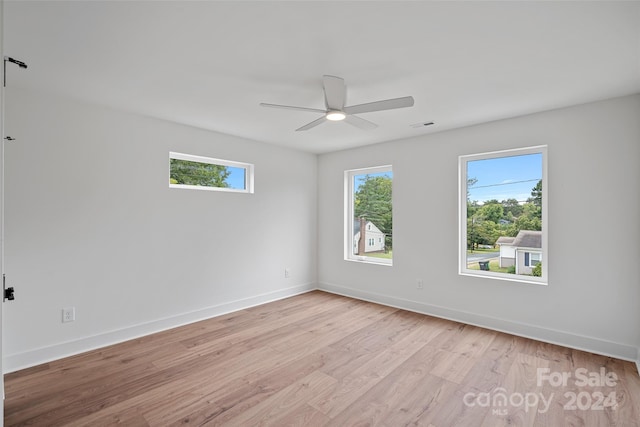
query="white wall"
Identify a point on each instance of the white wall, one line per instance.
(592, 300)
(91, 223)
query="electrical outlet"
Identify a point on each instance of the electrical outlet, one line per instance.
(68, 314)
(419, 284)
(287, 273)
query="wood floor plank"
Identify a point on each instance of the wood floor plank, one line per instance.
(452, 366)
(340, 362)
(450, 411)
(303, 416)
(286, 401)
(128, 416)
(366, 376)
(516, 409)
(81, 378)
(406, 392)
(319, 359)
(273, 319)
(383, 332)
(631, 383)
(484, 377)
(501, 352)
(336, 330)
(220, 404)
(475, 341)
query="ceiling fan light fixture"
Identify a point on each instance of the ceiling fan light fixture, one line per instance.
(336, 110)
(335, 116)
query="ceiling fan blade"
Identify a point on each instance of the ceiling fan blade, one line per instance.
(334, 92)
(312, 124)
(360, 122)
(387, 104)
(290, 107)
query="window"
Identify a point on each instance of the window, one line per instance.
(369, 215)
(531, 259)
(503, 215)
(204, 173)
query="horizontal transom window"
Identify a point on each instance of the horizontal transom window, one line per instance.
(204, 173)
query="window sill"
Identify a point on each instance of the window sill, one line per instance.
(204, 188)
(370, 260)
(505, 277)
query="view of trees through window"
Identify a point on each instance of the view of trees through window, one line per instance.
(189, 171)
(504, 215)
(371, 210)
(195, 173)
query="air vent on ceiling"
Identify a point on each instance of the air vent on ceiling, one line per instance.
(421, 124)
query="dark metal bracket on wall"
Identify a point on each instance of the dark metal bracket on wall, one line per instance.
(13, 61)
(4, 83)
(8, 293)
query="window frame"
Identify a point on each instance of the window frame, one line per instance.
(349, 176)
(462, 216)
(248, 172)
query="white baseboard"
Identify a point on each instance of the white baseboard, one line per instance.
(578, 342)
(15, 362)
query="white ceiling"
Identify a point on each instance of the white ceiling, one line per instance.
(209, 64)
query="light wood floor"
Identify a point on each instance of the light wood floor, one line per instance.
(323, 360)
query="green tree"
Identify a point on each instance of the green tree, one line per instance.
(529, 220)
(481, 232)
(373, 200)
(473, 235)
(509, 216)
(487, 233)
(512, 206)
(196, 173)
(536, 194)
(491, 212)
(536, 199)
(537, 270)
(472, 208)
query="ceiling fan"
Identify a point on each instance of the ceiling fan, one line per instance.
(335, 93)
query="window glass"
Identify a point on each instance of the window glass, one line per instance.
(197, 172)
(369, 215)
(503, 215)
